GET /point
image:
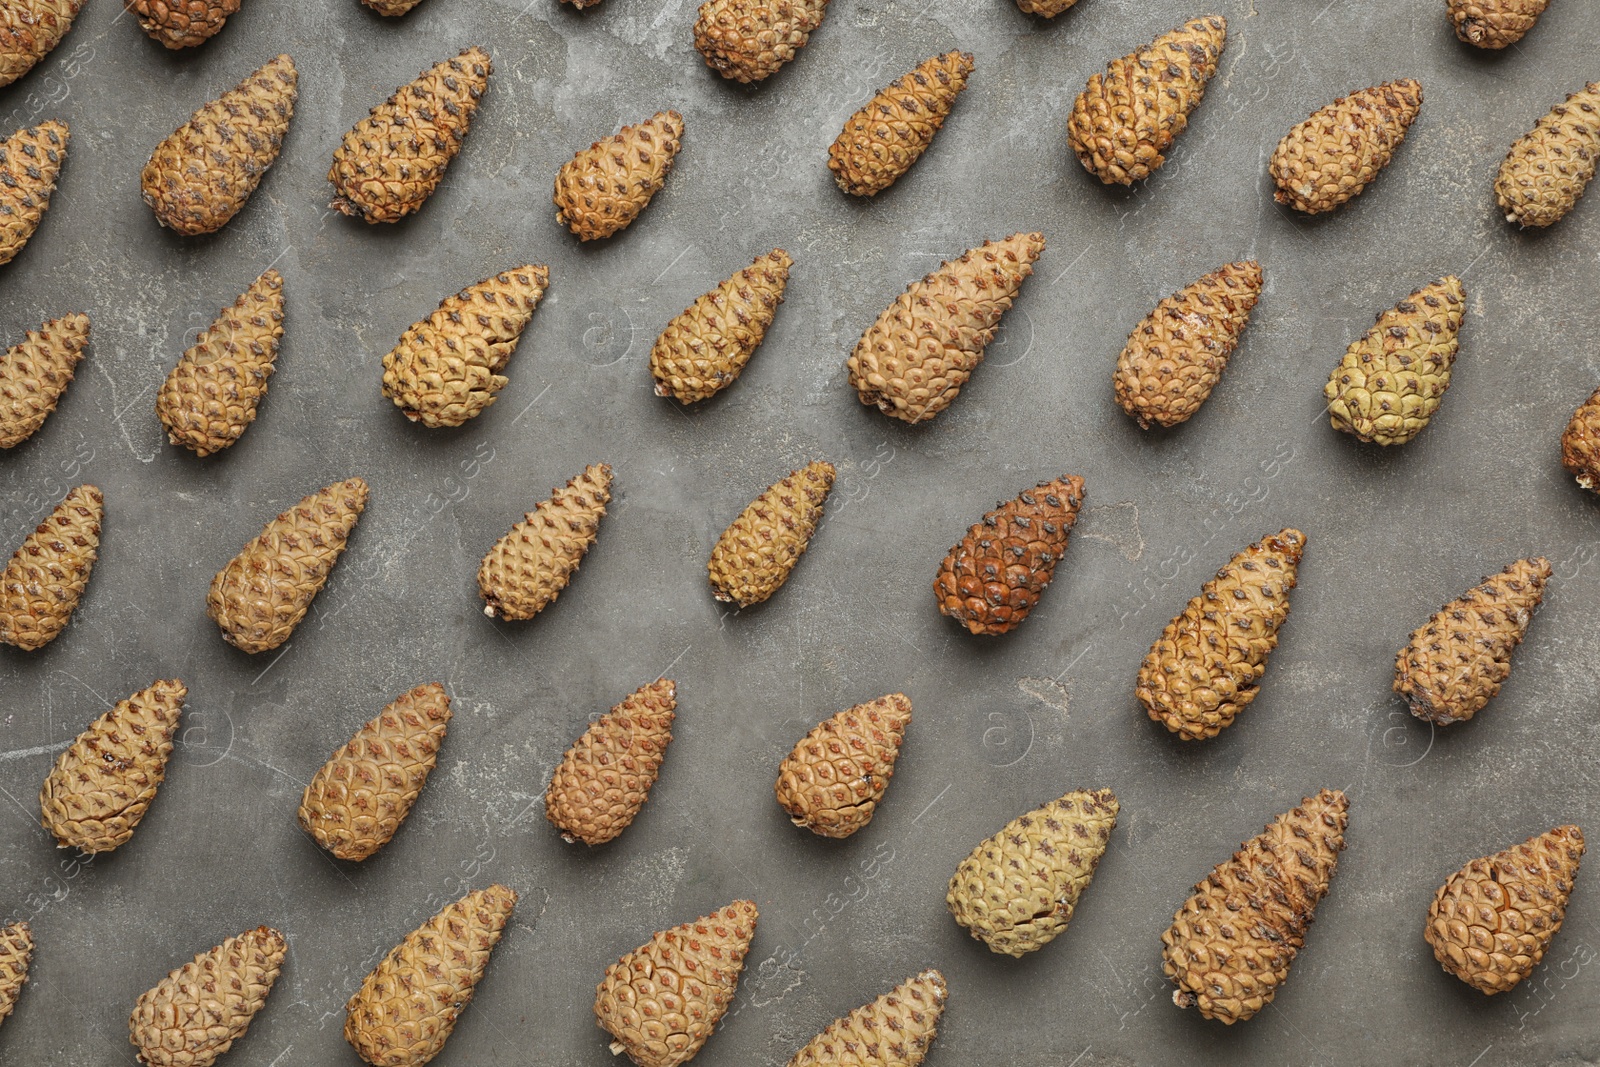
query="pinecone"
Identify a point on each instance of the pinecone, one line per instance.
(1332, 156)
(1580, 443)
(16, 950)
(528, 567)
(202, 174)
(833, 780)
(391, 8)
(182, 23)
(1393, 379)
(1044, 8)
(753, 557)
(913, 361)
(103, 784)
(263, 593)
(1456, 662)
(880, 142)
(195, 1014)
(391, 161)
(1177, 353)
(35, 372)
(603, 188)
(1494, 23)
(750, 40)
(1547, 170)
(1206, 666)
(446, 368)
(704, 349)
(358, 799)
(209, 399)
(407, 1007)
(30, 162)
(605, 777)
(46, 577)
(1230, 946)
(29, 30)
(893, 1031)
(662, 1000)
(1126, 119)
(1491, 921)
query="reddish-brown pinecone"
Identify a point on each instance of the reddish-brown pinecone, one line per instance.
(35, 372)
(1547, 170)
(1230, 946)
(757, 552)
(182, 23)
(880, 142)
(46, 577)
(994, 576)
(893, 1031)
(750, 40)
(605, 777)
(16, 950)
(604, 187)
(195, 1014)
(1331, 157)
(705, 349)
(529, 567)
(1580, 443)
(833, 780)
(1492, 921)
(30, 162)
(1456, 662)
(29, 31)
(662, 1000)
(1494, 23)
(358, 799)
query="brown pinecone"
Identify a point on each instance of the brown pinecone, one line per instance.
(880, 142)
(263, 593)
(407, 1007)
(1331, 156)
(446, 368)
(833, 780)
(992, 578)
(35, 372)
(753, 557)
(1044, 8)
(1491, 921)
(202, 174)
(1176, 355)
(46, 577)
(1547, 170)
(1456, 662)
(29, 30)
(358, 799)
(893, 1031)
(182, 23)
(16, 950)
(209, 399)
(1126, 119)
(391, 161)
(704, 349)
(1580, 443)
(662, 1000)
(1230, 946)
(913, 361)
(750, 40)
(530, 566)
(604, 187)
(605, 777)
(1494, 23)
(104, 782)
(391, 8)
(195, 1014)
(30, 162)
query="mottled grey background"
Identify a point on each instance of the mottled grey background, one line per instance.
(1001, 725)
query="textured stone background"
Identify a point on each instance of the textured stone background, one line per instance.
(1000, 725)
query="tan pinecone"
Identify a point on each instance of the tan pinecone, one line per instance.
(209, 399)
(182, 23)
(446, 368)
(530, 566)
(196, 1013)
(662, 1000)
(30, 162)
(604, 187)
(29, 31)
(1018, 890)
(753, 557)
(391, 161)
(1456, 662)
(1491, 921)
(102, 785)
(1494, 23)
(880, 142)
(1547, 170)
(1044, 8)
(35, 372)
(1393, 379)
(605, 777)
(407, 1007)
(1580, 443)
(750, 40)
(704, 349)
(358, 799)
(893, 1031)
(16, 950)
(833, 780)
(391, 8)
(913, 361)
(1177, 353)
(263, 593)
(47, 575)
(1230, 945)
(202, 174)
(1332, 156)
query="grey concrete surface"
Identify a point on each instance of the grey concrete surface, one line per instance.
(1001, 725)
